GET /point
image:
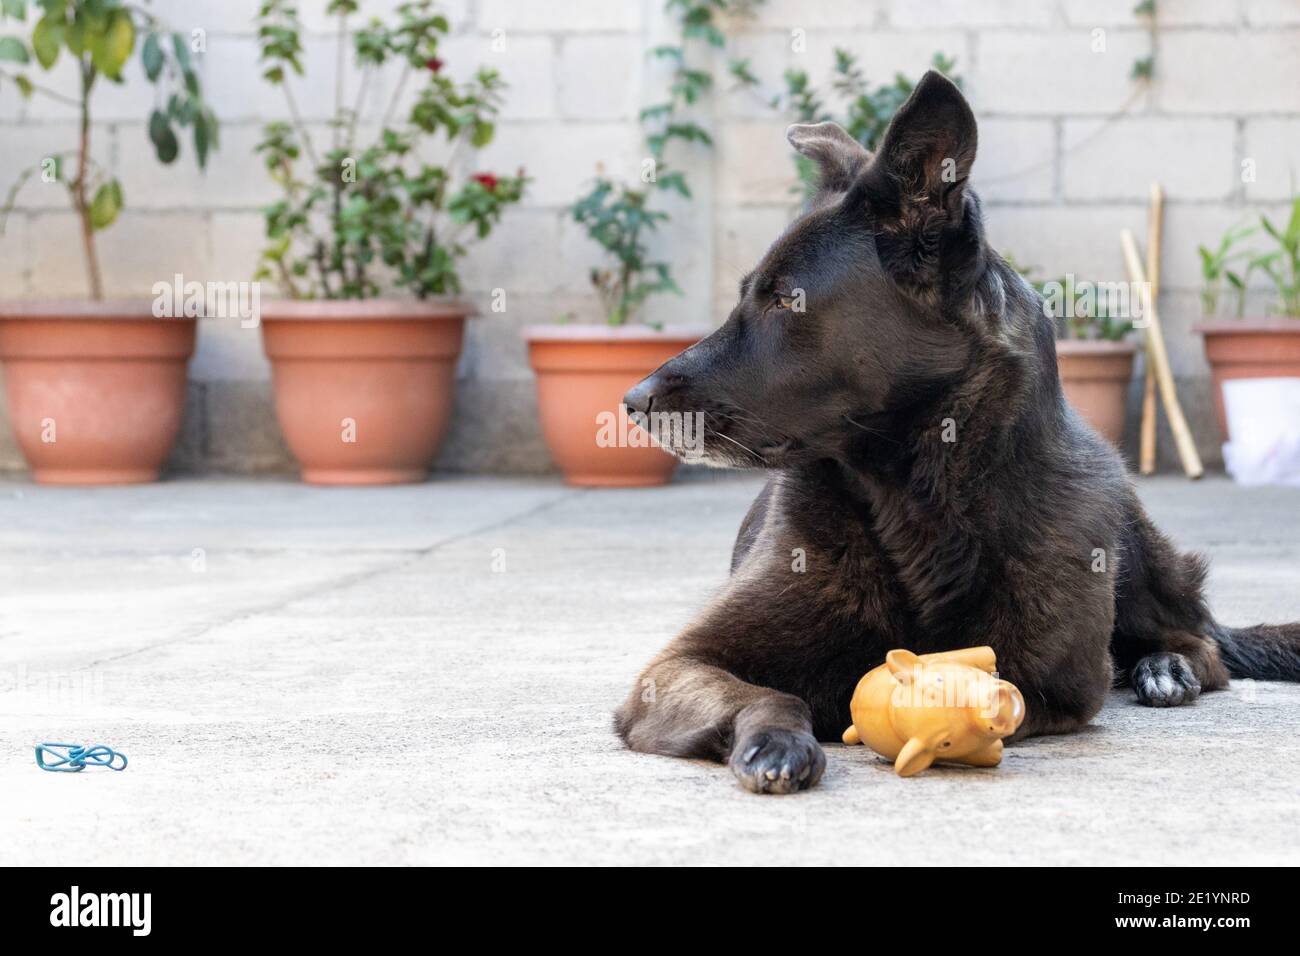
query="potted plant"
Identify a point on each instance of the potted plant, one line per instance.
(96, 388)
(1094, 358)
(1095, 362)
(1252, 347)
(364, 383)
(583, 371)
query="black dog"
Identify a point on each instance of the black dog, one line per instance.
(931, 490)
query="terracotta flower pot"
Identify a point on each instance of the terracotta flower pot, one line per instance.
(1249, 348)
(1095, 377)
(364, 389)
(583, 372)
(96, 390)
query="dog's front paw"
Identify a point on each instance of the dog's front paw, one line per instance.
(778, 761)
(1165, 680)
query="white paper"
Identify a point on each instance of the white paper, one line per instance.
(1264, 422)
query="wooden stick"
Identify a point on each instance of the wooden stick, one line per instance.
(1147, 456)
(1160, 364)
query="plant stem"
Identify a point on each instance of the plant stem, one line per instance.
(286, 279)
(324, 271)
(422, 289)
(79, 193)
(340, 249)
(296, 119)
(356, 110)
(625, 282)
(43, 90)
(397, 96)
(340, 67)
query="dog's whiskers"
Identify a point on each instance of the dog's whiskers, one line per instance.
(746, 415)
(870, 431)
(757, 456)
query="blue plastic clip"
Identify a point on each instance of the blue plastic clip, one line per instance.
(72, 758)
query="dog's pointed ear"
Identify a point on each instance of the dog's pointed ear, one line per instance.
(916, 186)
(929, 148)
(838, 156)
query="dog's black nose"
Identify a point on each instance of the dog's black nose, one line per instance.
(647, 393)
(642, 395)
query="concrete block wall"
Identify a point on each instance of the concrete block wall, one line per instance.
(1068, 145)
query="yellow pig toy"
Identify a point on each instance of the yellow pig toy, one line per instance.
(948, 707)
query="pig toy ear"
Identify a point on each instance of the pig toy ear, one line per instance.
(915, 756)
(902, 664)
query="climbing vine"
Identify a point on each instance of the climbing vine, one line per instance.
(1144, 68)
(619, 215)
(867, 111)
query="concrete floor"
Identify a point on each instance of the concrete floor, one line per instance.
(426, 674)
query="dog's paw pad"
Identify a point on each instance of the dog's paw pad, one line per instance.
(1165, 680)
(778, 761)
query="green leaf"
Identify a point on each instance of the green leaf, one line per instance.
(182, 51)
(202, 140)
(742, 73)
(14, 8)
(13, 50)
(24, 85)
(76, 35)
(482, 134)
(676, 182)
(214, 128)
(111, 49)
(47, 38)
(163, 137)
(152, 57)
(106, 204)
(180, 110)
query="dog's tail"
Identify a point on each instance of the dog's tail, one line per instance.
(1262, 652)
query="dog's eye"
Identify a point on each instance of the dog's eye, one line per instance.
(782, 301)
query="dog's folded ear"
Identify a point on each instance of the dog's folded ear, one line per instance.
(838, 156)
(915, 189)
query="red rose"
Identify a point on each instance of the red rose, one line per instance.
(487, 180)
(433, 65)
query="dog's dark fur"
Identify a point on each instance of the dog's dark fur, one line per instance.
(931, 489)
